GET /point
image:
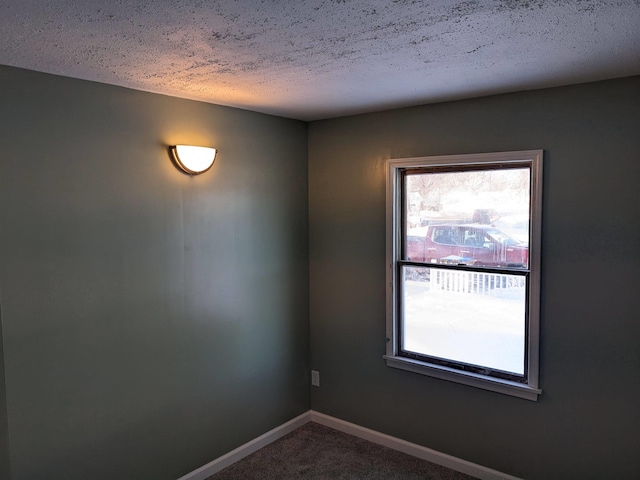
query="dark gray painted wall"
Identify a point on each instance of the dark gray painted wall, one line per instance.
(5, 466)
(152, 321)
(587, 422)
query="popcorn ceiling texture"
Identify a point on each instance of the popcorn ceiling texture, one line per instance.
(311, 59)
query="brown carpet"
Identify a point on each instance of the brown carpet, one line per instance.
(314, 451)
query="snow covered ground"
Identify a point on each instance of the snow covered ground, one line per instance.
(481, 329)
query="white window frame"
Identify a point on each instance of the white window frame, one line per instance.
(533, 158)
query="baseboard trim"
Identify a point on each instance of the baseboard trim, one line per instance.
(439, 458)
(247, 449)
(409, 448)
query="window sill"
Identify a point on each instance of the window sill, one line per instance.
(466, 378)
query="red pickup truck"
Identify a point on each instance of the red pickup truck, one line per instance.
(469, 244)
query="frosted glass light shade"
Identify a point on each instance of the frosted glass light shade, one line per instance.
(193, 160)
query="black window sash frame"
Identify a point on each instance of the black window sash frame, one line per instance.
(401, 264)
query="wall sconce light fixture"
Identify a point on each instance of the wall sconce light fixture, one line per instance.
(191, 159)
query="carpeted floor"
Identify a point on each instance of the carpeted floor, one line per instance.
(314, 451)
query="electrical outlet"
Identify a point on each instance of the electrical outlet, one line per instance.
(315, 378)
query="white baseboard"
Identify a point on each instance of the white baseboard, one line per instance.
(247, 449)
(433, 456)
(409, 448)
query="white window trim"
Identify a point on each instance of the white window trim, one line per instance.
(530, 390)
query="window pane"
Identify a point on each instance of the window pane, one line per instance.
(478, 217)
(476, 318)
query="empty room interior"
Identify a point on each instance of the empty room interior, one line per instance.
(152, 321)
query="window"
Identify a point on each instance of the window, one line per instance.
(463, 255)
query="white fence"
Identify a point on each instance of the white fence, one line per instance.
(473, 282)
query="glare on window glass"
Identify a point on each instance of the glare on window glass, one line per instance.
(474, 318)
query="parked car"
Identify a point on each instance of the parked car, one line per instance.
(467, 244)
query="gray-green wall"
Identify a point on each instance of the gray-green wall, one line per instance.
(586, 424)
(5, 466)
(152, 321)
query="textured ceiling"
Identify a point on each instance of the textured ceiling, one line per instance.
(311, 59)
